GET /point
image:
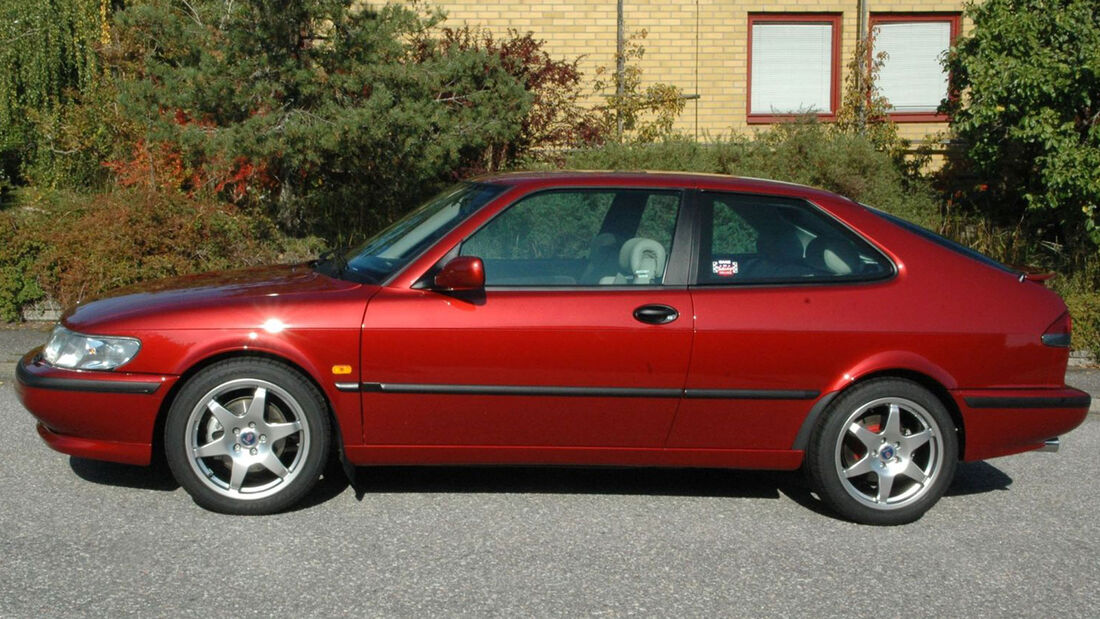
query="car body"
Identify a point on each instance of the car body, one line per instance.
(639, 319)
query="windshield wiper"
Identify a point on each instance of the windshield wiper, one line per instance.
(334, 257)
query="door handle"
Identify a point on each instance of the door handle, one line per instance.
(656, 314)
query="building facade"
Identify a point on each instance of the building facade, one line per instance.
(747, 63)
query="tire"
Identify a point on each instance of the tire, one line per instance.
(247, 436)
(884, 452)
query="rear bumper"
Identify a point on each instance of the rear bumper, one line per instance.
(98, 415)
(999, 422)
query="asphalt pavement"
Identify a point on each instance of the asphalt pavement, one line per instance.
(1014, 536)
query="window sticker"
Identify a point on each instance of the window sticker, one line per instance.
(724, 268)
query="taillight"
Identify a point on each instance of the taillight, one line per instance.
(1058, 333)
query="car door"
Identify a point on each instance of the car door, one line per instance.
(578, 339)
(785, 299)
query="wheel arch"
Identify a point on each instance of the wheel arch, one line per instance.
(935, 387)
(158, 456)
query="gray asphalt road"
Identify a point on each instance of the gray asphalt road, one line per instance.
(15, 340)
(1015, 536)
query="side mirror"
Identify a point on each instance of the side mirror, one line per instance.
(463, 273)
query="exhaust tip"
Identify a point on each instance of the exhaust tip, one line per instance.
(1051, 444)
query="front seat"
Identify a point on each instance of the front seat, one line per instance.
(641, 261)
(603, 259)
(781, 255)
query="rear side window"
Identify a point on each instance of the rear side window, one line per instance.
(941, 241)
(750, 239)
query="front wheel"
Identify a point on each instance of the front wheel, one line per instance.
(884, 452)
(247, 436)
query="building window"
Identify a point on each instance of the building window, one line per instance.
(912, 78)
(794, 62)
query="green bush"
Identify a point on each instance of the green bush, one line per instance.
(1083, 299)
(47, 61)
(329, 115)
(1084, 307)
(806, 152)
(72, 247)
(18, 251)
(1029, 82)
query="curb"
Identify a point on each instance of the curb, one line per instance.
(1081, 360)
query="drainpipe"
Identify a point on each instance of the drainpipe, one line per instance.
(620, 66)
(863, 34)
(861, 26)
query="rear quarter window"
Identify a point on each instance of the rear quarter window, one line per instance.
(944, 242)
(760, 239)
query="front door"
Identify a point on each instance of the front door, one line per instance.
(577, 340)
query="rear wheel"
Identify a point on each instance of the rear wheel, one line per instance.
(884, 453)
(247, 436)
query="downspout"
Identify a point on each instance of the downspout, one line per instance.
(862, 36)
(620, 66)
(861, 25)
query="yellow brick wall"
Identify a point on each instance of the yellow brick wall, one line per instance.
(699, 45)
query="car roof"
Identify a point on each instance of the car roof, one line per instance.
(644, 178)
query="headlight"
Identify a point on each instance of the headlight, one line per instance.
(66, 349)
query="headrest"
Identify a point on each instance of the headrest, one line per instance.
(644, 258)
(780, 247)
(836, 256)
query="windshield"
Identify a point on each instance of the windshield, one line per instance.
(379, 257)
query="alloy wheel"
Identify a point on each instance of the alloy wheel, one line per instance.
(889, 453)
(247, 439)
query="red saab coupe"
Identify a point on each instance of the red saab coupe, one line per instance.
(627, 319)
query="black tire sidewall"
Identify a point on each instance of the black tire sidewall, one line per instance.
(301, 389)
(821, 453)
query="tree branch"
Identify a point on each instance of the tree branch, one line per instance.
(194, 15)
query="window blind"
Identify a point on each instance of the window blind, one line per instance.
(791, 68)
(912, 78)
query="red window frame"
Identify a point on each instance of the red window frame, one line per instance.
(834, 20)
(955, 19)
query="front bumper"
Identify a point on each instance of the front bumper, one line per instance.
(999, 422)
(93, 414)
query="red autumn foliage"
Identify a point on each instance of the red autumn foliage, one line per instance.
(143, 234)
(161, 166)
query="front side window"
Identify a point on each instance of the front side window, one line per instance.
(912, 77)
(793, 64)
(579, 237)
(749, 239)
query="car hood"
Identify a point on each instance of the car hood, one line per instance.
(292, 294)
